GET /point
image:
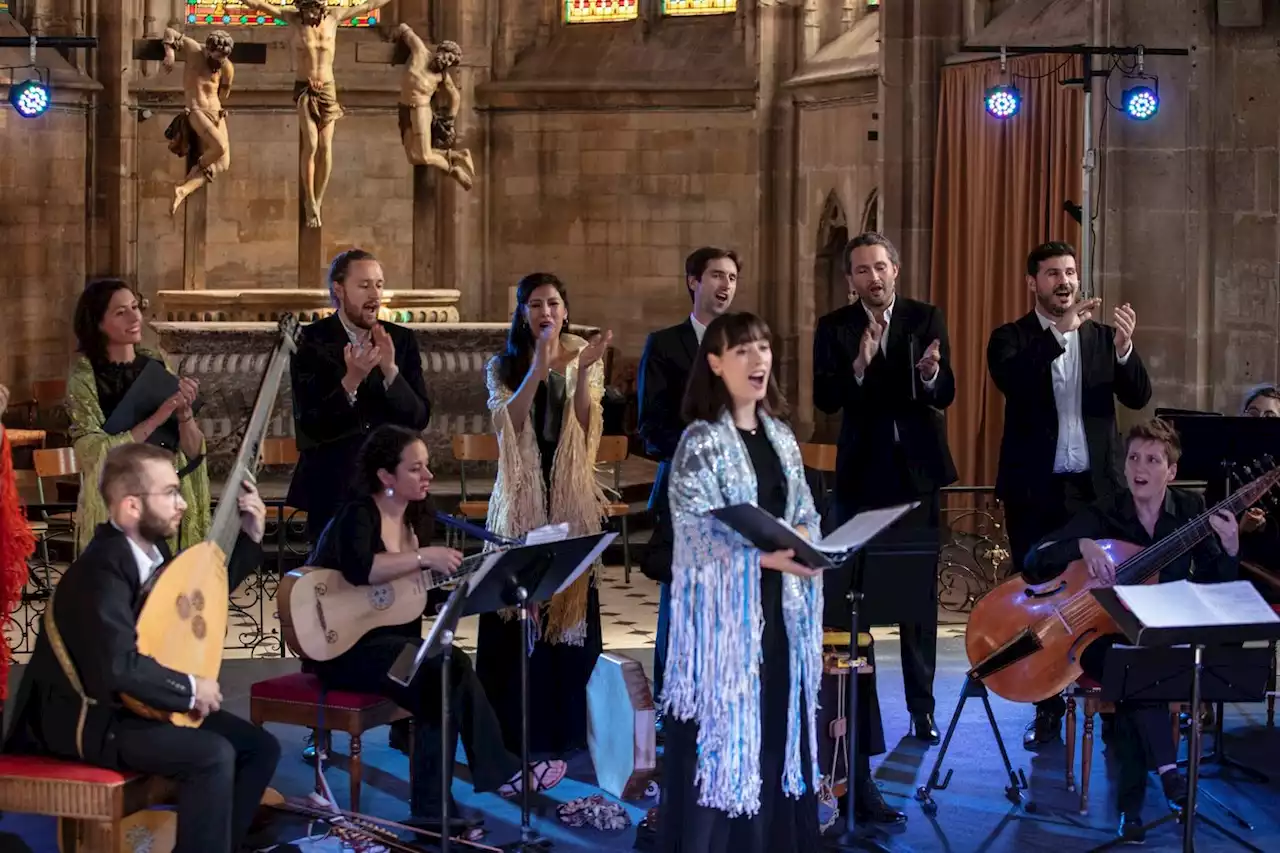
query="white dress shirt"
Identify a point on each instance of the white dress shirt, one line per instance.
(360, 338)
(147, 565)
(698, 329)
(1072, 453)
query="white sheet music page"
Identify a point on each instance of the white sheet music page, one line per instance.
(862, 528)
(549, 533)
(1182, 604)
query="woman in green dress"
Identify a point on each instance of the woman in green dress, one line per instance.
(108, 327)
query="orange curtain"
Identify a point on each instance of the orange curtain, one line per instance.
(998, 191)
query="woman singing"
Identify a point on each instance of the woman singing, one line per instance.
(745, 655)
(544, 393)
(108, 328)
(373, 540)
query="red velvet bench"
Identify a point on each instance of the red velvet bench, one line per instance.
(295, 700)
(90, 803)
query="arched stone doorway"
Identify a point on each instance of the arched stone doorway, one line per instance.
(829, 290)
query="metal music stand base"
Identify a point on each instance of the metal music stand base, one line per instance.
(973, 689)
(529, 839)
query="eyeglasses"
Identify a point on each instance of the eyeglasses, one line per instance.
(174, 494)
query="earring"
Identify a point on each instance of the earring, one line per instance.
(391, 493)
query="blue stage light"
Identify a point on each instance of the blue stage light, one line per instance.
(31, 99)
(1003, 101)
(1140, 103)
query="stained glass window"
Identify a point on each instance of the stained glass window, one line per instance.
(4, 5)
(698, 7)
(230, 13)
(587, 11)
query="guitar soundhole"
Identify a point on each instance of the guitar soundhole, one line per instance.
(321, 589)
(331, 637)
(1046, 593)
(197, 600)
(184, 607)
(198, 627)
(380, 597)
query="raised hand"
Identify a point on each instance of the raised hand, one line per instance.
(360, 360)
(1074, 317)
(593, 351)
(781, 561)
(868, 347)
(541, 365)
(188, 390)
(928, 363)
(1228, 529)
(1101, 568)
(1125, 321)
(385, 348)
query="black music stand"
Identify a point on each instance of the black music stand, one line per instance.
(524, 577)
(1167, 665)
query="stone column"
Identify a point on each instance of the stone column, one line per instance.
(112, 250)
(916, 37)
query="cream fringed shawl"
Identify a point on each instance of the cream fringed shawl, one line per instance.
(91, 445)
(518, 503)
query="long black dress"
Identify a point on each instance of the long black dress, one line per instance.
(557, 673)
(783, 824)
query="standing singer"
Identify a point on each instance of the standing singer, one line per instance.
(886, 363)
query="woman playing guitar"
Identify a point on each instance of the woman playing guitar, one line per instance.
(374, 540)
(1143, 514)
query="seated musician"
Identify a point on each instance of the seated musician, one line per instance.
(86, 657)
(1260, 530)
(375, 539)
(1145, 512)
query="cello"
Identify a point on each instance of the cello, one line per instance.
(1024, 640)
(184, 621)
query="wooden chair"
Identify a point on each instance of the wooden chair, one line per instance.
(93, 806)
(822, 459)
(296, 700)
(51, 464)
(613, 451)
(473, 447)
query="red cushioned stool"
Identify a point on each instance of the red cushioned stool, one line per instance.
(89, 802)
(295, 700)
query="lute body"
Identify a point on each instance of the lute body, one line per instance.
(183, 622)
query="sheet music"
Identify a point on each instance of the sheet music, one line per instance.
(548, 533)
(1182, 604)
(586, 563)
(862, 528)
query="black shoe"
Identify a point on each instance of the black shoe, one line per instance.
(1131, 830)
(1045, 728)
(647, 831)
(1108, 728)
(1174, 785)
(923, 728)
(869, 805)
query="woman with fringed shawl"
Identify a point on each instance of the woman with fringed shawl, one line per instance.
(544, 392)
(744, 660)
(108, 328)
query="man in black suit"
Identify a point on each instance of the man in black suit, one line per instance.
(1061, 374)
(351, 373)
(885, 362)
(86, 658)
(711, 276)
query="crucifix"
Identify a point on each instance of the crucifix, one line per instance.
(199, 133)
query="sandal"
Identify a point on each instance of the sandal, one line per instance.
(544, 774)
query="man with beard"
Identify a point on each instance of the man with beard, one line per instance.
(1061, 374)
(315, 41)
(199, 132)
(884, 361)
(86, 657)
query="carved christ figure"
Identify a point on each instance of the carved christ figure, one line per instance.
(199, 132)
(314, 30)
(429, 135)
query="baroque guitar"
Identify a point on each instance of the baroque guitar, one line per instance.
(1024, 641)
(184, 621)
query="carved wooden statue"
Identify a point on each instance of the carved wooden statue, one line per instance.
(427, 122)
(314, 30)
(199, 132)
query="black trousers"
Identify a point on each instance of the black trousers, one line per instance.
(1143, 739)
(221, 769)
(364, 668)
(1034, 515)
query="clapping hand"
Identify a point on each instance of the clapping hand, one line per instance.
(928, 363)
(1224, 524)
(868, 347)
(1126, 321)
(592, 352)
(386, 350)
(541, 365)
(188, 389)
(1074, 317)
(360, 360)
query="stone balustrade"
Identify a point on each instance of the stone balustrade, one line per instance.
(253, 305)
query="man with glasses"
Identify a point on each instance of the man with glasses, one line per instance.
(86, 657)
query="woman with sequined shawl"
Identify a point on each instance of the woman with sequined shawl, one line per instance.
(108, 328)
(744, 660)
(545, 394)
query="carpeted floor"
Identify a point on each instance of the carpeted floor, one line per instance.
(973, 814)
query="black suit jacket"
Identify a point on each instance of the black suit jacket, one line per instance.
(665, 365)
(891, 393)
(1020, 357)
(96, 608)
(330, 429)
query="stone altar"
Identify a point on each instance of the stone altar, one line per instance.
(266, 305)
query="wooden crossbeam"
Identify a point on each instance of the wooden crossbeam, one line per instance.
(244, 53)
